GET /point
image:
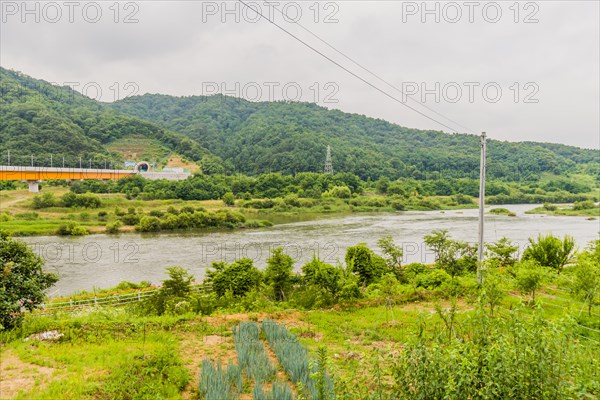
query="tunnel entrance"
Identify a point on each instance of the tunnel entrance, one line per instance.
(142, 166)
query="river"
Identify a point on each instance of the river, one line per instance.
(83, 263)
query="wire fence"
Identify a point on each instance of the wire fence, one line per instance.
(107, 299)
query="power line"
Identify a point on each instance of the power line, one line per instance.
(371, 72)
(346, 69)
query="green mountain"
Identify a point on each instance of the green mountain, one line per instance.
(292, 137)
(37, 118)
(233, 135)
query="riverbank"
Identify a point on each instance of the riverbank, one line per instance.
(47, 213)
(579, 209)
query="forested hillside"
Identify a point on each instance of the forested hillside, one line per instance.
(292, 137)
(252, 138)
(41, 119)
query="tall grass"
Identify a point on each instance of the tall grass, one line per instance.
(516, 357)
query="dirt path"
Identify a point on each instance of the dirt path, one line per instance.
(16, 375)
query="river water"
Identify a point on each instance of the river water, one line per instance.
(83, 263)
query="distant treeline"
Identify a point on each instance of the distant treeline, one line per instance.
(340, 185)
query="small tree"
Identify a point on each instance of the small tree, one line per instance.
(238, 277)
(325, 276)
(229, 199)
(179, 283)
(586, 278)
(493, 290)
(530, 277)
(22, 281)
(438, 241)
(367, 265)
(503, 252)
(392, 254)
(550, 251)
(457, 257)
(279, 272)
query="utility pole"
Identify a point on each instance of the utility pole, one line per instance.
(50, 160)
(9, 158)
(480, 249)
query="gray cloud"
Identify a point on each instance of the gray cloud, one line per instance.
(172, 50)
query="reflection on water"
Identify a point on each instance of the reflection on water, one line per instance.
(104, 260)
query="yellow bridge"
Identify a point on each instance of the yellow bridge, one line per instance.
(33, 175)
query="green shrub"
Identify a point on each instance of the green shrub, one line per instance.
(365, 263)
(584, 205)
(148, 224)
(156, 213)
(229, 199)
(433, 279)
(72, 228)
(550, 251)
(44, 200)
(238, 277)
(515, 358)
(114, 227)
(340, 192)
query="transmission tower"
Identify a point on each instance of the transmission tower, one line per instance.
(328, 162)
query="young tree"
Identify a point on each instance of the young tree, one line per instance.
(438, 241)
(179, 283)
(229, 199)
(279, 272)
(494, 289)
(550, 251)
(392, 254)
(530, 277)
(325, 276)
(457, 257)
(586, 279)
(362, 261)
(22, 281)
(239, 277)
(503, 252)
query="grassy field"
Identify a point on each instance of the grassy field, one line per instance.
(111, 353)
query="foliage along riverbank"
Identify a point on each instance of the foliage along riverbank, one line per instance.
(580, 208)
(60, 212)
(370, 328)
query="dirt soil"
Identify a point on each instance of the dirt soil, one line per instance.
(16, 375)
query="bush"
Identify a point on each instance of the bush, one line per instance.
(156, 213)
(364, 262)
(550, 251)
(584, 205)
(518, 358)
(23, 281)
(44, 200)
(229, 199)
(114, 227)
(72, 228)
(433, 279)
(148, 224)
(86, 200)
(340, 192)
(238, 277)
(550, 207)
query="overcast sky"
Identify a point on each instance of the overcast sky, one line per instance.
(528, 71)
